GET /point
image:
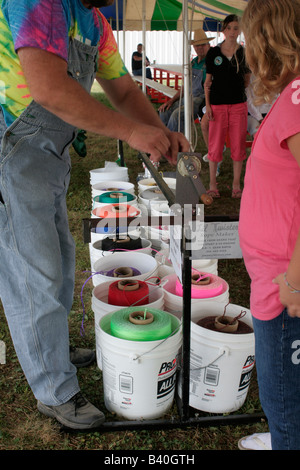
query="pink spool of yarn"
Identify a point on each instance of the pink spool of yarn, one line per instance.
(203, 286)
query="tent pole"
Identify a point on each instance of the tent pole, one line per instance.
(144, 46)
(186, 72)
(124, 30)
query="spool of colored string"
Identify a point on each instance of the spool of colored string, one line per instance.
(122, 271)
(141, 324)
(128, 293)
(121, 244)
(114, 197)
(203, 286)
(116, 210)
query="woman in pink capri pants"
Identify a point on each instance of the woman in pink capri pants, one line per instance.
(227, 76)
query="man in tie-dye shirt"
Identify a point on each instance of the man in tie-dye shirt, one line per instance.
(50, 53)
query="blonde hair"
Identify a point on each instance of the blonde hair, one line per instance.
(272, 33)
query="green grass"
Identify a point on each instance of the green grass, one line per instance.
(21, 425)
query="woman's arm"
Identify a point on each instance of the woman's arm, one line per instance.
(207, 85)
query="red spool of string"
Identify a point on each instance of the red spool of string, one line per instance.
(128, 292)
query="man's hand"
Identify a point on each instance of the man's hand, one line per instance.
(158, 143)
(165, 106)
(178, 144)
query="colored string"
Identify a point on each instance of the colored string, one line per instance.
(149, 324)
(82, 332)
(126, 293)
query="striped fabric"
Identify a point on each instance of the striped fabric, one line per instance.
(163, 15)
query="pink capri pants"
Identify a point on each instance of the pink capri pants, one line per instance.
(229, 119)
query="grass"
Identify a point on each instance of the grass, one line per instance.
(21, 425)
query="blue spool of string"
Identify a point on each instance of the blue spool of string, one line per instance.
(141, 324)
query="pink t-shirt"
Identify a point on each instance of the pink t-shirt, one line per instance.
(270, 206)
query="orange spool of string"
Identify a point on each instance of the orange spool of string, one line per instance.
(116, 211)
(128, 292)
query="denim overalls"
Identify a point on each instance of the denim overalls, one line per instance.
(37, 251)
(170, 117)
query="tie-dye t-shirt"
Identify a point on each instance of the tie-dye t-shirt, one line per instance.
(48, 24)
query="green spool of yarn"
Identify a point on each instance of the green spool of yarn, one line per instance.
(115, 197)
(141, 324)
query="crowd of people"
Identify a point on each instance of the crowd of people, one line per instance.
(48, 63)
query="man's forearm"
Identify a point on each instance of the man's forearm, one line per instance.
(135, 120)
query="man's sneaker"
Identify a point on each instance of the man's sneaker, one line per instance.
(77, 413)
(81, 357)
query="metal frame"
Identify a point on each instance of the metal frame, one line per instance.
(185, 419)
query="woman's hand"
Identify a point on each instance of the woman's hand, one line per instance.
(209, 113)
(290, 300)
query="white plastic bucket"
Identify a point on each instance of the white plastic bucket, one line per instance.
(174, 303)
(101, 307)
(104, 186)
(206, 265)
(220, 363)
(108, 173)
(145, 264)
(139, 377)
(148, 183)
(96, 251)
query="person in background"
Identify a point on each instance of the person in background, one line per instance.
(227, 77)
(137, 63)
(256, 113)
(269, 226)
(172, 112)
(50, 53)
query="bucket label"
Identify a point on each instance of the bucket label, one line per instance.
(246, 373)
(166, 378)
(211, 376)
(126, 384)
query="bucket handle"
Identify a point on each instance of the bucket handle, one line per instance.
(224, 351)
(136, 357)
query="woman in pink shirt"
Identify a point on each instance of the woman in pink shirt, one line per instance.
(270, 214)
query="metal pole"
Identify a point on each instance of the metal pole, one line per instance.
(186, 72)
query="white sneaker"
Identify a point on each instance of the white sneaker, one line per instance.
(205, 159)
(258, 441)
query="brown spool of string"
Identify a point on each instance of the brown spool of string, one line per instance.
(141, 318)
(116, 195)
(119, 209)
(123, 271)
(226, 324)
(200, 281)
